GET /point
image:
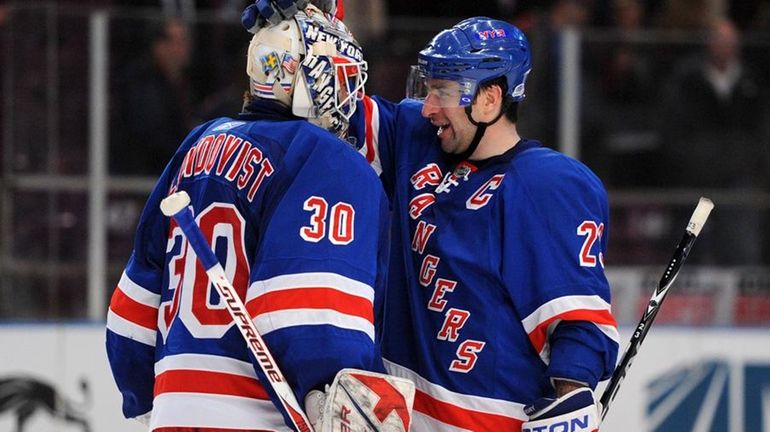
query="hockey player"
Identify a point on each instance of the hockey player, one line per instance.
(297, 219)
(497, 307)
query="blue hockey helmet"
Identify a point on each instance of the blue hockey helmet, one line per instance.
(471, 53)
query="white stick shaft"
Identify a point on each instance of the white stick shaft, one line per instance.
(700, 215)
(177, 206)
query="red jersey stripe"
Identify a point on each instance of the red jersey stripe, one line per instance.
(311, 298)
(539, 335)
(131, 310)
(368, 110)
(463, 417)
(198, 381)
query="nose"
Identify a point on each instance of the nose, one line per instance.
(429, 108)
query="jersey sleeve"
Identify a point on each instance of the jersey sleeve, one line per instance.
(315, 280)
(373, 127)
(559, 226)
(132, 317)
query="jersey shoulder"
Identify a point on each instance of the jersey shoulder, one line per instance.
(305, 146)
(544, 171)
(557, 187)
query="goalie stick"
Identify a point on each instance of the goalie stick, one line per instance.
(697, 220)
(177, 206)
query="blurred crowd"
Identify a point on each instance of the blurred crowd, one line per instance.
(176, 62)
(671, 97)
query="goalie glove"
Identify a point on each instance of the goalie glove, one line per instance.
(271, 12)
(576, 411)
(362, 401)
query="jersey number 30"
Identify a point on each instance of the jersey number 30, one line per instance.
(195, 299)
(335, 223)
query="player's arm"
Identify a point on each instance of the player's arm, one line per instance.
(565, 307)
(566, 303)
(131, 333)
(132, 318)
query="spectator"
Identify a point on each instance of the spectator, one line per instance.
(446, 8)
(153, 107)
(713, 137)
(686, 14)
(368, 19)
(620, 139)
(544, 88)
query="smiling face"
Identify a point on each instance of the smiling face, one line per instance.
(442, 108)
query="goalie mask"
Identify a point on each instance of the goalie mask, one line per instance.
(312, 64)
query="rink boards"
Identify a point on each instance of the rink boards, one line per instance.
(684, 379)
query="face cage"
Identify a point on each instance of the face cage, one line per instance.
(348, 78)
(442, 91)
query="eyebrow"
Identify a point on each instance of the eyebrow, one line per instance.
(440, 86)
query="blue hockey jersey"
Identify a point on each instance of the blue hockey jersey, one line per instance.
(496, 282)
(298, 221)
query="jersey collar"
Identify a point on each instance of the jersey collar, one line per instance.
(521, 146)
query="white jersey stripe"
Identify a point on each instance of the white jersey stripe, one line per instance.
(270, 321)
(128, 329)
(475, 403)
(138, 293)
(215, 411)
(560, 305)
(310, 280)
(205, 362)
(422, 422)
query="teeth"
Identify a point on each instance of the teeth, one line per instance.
(440, 129)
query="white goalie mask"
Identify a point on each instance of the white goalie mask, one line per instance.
(312, 64)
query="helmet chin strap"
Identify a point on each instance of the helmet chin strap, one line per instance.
(481, 127)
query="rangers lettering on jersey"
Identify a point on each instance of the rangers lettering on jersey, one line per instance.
(454, 318)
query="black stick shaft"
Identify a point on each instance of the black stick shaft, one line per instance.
(672, 271)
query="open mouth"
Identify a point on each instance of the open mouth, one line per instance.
(442, 128)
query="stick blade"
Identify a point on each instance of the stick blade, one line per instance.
(700, 215)
(174, 203)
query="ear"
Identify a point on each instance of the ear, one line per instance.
(491, 99)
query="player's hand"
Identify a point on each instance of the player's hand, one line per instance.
(577, 410)
(271, 12)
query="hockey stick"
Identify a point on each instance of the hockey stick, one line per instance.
(178, 206)
(697, 220)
